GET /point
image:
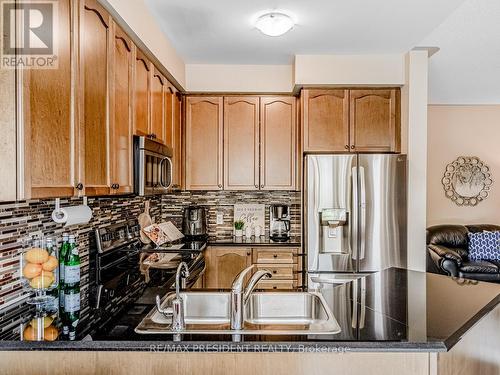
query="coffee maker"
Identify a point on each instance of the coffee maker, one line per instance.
(279, 215)
(194, 223)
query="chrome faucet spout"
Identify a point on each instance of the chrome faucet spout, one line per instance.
(240, 295)
(178, 323)
(178, 275)
(253, 282)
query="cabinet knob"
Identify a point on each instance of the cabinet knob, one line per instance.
(275, 287)
(346, 147)
(249, 253)
(275, 272)
(220, 186)
(275, 255)
(256, 186)
(262, 186)
(79, 186)
(115, 186)
(352, 147)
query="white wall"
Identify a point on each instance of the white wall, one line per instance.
(362, 70)
(136, 14)
(239, 78)
(415, 110)
(472, 130)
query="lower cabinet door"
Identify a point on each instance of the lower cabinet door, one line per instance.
(224, 264)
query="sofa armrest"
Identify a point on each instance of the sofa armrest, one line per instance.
(446, 259)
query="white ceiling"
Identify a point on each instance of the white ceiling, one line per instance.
(221, 31)
(467, 68)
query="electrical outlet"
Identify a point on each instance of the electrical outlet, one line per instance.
(220, 218)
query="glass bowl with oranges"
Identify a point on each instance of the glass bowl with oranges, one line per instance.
(40, 268)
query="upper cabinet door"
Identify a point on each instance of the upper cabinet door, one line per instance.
(204, 143)
(121, 113)
(241, 143)
(278, 152)
(49, 128)
(177, 160)
(141, 94)
(158, 113)
(94, 63)
(375, 120)
(325, 120)
(169, 103)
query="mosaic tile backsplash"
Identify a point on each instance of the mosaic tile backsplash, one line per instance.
(223, 201)
(21, 220)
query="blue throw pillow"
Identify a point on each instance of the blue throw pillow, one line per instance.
(484, 246)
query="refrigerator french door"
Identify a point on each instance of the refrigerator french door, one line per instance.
(355, 212)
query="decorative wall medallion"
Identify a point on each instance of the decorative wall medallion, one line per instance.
(467, 181)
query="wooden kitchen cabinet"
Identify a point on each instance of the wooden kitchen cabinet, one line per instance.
(278, 144)
(241, 143)
(158, 128)
(204, 143)
(224, 264)
(121, 121)
(169, 103)
(50, 136)
(325, 120)
(94, 64)
(375, 120)
(142, 97)
(356, 120)
(177, 159)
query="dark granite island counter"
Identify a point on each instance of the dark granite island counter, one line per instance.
(409, 318)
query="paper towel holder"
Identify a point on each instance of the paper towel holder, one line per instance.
(57, 209)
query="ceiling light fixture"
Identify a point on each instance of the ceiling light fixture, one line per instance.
(274, 23)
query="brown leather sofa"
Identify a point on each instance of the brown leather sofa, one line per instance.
(447, 253)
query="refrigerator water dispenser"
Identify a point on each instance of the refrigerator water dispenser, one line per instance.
(332, 230)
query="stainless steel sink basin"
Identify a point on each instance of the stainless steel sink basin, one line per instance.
(200, 308)
(266, 313)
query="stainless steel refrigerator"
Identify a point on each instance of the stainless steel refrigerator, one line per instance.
(355, 213)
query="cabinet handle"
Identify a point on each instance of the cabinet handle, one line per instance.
(352, 147)
(79, 186)
(346, 147)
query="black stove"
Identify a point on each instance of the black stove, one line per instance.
(114, 266)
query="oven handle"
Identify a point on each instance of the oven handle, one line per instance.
(162, 177)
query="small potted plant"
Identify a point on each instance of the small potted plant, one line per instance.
(238, 228)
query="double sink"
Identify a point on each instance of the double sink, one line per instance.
(264, 313)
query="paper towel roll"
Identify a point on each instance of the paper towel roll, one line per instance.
(72, 215)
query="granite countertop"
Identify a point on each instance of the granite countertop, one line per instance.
(253, 241)
(391, 310)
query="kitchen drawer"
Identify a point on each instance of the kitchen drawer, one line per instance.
(280, 271)
(277, 284)
(275, 255)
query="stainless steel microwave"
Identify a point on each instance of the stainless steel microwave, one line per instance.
(152, 166)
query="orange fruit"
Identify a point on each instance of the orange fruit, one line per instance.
(30, 334)
(50, 264)
(41, 282)
(37, 255)
(32, 270)
(50, 333)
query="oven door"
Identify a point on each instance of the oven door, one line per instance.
(155, 173)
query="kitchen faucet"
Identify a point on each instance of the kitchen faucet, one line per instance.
(240, 294)
(177, 313)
